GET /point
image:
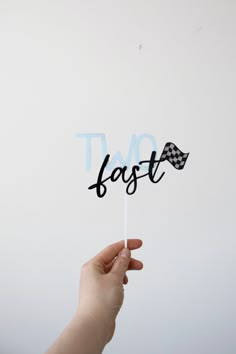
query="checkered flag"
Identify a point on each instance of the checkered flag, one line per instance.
(174, 155)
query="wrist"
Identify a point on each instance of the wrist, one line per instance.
(96, 323)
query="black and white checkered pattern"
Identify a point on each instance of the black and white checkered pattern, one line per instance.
(174, 155)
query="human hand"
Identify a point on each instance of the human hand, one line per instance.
(101, 292)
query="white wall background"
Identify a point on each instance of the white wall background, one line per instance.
(70, 67)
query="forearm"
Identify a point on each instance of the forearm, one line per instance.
(83, 335)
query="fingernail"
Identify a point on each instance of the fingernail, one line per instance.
(125, 253)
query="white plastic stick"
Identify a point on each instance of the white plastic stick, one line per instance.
(126, 219)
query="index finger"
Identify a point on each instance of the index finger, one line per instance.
(111, 251)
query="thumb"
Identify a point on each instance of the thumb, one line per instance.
(121, 263)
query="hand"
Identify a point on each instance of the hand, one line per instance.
(101, 284)
(100, 299)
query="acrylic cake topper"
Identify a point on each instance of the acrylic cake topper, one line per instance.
(170, 153)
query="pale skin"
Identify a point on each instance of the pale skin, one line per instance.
(101, 296)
